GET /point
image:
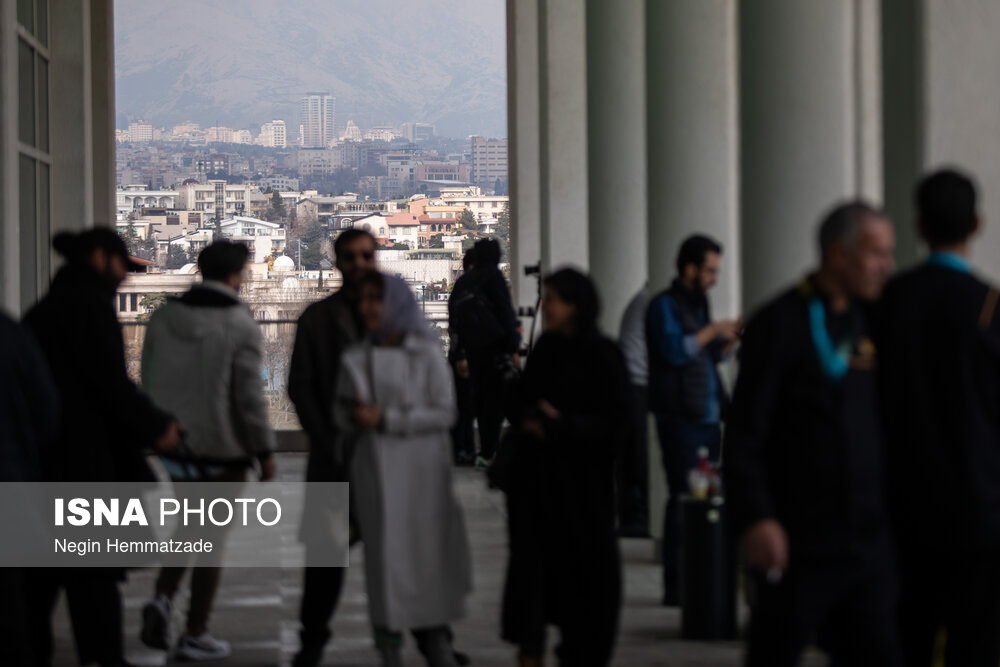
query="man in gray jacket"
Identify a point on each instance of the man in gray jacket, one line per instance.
(201, 361)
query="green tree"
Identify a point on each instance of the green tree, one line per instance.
(152, 302)
(276, 210)
(467, 221)
(437, 241)
(501, 230)
(176, 257)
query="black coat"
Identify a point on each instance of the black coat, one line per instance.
(29, 403)
(564, 564)
(489, 283)
(802, 448)
(107, 424)
(325, 330)
(940, 344)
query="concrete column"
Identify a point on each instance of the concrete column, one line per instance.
(943, 60)
(524, 122)
(692, 156)
(563, 133)
(102, 83)
(616, 114)
(810, 128)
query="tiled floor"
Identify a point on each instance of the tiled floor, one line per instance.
(256, 608)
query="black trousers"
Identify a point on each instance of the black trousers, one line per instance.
(488, 396)
(95, 610)
(850, 605)
(958, 593)
(15, 592)
(463, 435)
(321, 587)
(633, 467)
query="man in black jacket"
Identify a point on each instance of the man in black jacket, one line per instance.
(481, 313)
(940, 361)
(325, 330)
(106, 426)
(804, 462)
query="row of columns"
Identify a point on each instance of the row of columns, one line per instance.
(635, 123)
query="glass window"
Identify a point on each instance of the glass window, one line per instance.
(122, 303)
(25, 93)
(133, 301)
(43, 105)
(26, 14)
(28, 240)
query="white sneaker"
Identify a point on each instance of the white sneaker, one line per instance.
(156, 623)
(202, 647)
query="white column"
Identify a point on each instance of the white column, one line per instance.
(810, 129)
(102, 82)
(563, 137)
(693, 140)
(616, 84)
(524, 122)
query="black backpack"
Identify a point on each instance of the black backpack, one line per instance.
(473, 319)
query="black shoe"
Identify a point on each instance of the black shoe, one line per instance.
(308, 656)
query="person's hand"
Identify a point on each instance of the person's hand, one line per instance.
(267, 469)
(170, 440)
(767, 547)
(515, 359)
(367, 416)
(548, 409)
(462, 369)
(729, 330)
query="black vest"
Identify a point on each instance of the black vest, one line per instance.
(683, 390)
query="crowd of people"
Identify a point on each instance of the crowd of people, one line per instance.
(860, 451)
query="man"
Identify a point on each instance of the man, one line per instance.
(29, 415)
(462, 434)
(685, 392)
(633, 471)
(207, 334)
(105, 427)
(940, 363)
(484, 319)
(325, 330)
(804, 461)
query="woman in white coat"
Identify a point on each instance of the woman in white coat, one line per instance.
(395, 406)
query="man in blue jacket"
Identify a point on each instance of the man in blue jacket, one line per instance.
(685, 392)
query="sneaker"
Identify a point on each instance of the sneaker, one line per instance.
(156, 623)
(483, 464)
(202, 647)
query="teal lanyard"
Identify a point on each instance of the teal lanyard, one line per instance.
(949, 261)
(834, 361)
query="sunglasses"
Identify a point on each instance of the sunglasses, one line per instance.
(357, 255)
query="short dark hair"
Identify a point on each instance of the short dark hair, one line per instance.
(577, 289)
(842, 225)
(222, 259)
(946, 207)
(77, 247)
(487, 252)
(694, 249)
(349, 236)
(469, 260)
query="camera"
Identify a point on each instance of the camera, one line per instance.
(533, 269)
(525, 311)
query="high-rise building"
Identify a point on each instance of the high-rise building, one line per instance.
(316, 115)
(140, 132)
(489, 161)
(351, 132)
(415, 132)
(273, 134)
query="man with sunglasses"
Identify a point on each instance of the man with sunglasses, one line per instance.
(325, 330)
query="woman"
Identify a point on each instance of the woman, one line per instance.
(396, 404)
(569, 416)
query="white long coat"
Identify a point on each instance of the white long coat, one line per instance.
(417, 564)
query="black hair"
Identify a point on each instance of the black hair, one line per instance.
(577, 289)
(946, 207)
(350, 235)
(469, 259)
(842, 225)
(77, 247)
(222, 259)
(487, 252)
(693, 251)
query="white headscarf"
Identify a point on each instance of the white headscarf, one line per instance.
(400, 311)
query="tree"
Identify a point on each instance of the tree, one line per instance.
(152, 302)
(400, 246)
(276, 211)
(138, 247)
(176, 257)
(437, 241)
(467, 221)
(501, 230)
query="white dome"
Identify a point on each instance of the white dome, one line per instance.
(284, 263)
(188, 269)
(290, 283)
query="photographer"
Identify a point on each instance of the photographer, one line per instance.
(485, 326)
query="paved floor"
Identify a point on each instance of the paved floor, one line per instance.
(256, 608)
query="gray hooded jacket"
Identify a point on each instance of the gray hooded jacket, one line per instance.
(201, 361)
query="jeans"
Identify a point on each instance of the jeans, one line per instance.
(680, 440)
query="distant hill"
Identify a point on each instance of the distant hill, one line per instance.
(239, 63)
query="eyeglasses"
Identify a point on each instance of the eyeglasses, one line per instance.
(357, 255)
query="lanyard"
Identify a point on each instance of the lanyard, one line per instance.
(834, 360)
(949, 261)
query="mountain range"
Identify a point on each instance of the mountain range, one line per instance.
(240, 63)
